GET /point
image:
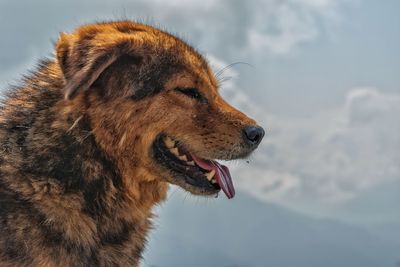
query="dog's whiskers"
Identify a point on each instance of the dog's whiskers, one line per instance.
(221, 71)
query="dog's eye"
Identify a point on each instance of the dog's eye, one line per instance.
(192, 93)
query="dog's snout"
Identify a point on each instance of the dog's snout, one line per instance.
(253, 135)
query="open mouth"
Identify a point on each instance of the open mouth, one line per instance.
(191, 172)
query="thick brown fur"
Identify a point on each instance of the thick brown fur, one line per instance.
(77, 177)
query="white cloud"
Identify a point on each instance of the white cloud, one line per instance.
(255, 26)
(283, 28)
(329, 157)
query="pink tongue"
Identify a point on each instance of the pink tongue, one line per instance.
(222, 174)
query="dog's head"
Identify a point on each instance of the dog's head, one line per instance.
(154, 105)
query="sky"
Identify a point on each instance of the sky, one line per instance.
(322, 77)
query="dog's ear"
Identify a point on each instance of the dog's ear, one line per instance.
(82, 58)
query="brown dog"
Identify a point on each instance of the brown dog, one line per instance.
(90, 141)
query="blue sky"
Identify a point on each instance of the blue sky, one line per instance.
(361, 49)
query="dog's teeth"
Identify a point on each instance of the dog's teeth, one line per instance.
(184, 158)
(210, 175)
(175, 151)
(169, 142)
(191, 163)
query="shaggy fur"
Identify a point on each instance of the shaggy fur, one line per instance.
(78, 177)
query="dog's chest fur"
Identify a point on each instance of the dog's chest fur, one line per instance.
(63, 201)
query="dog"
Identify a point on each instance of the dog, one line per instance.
(91, 140)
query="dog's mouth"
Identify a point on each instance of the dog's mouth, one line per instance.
(197, 175)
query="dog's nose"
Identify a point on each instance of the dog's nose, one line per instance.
(253, 135)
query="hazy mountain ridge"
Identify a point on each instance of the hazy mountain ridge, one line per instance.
(246, 232)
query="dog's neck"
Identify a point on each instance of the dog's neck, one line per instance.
(72, 177)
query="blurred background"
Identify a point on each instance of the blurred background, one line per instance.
(321, 76)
